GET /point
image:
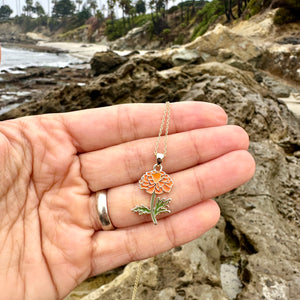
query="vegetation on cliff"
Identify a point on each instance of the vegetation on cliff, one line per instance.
(179, 24)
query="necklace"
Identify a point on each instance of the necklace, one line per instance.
(156, 181)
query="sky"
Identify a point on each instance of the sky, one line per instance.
(17, 5)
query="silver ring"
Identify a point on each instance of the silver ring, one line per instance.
(103, 211)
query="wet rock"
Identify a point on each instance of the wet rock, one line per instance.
(26, 90)
(106, 62)
(294, 40)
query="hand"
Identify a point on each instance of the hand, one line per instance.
(51, 165)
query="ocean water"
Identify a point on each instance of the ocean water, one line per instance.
(14, 59)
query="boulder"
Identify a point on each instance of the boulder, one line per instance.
(181, 272)
(106, 62)
(282, 61)
(184, 56)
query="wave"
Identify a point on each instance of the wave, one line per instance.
(14, 60)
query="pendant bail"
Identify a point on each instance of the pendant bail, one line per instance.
(159, 158)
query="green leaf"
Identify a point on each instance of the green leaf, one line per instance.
(162, 206)
(141, 210)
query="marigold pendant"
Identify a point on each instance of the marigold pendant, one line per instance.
(155, 182)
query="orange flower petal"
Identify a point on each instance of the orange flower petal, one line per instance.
(161, 184)
(157, 181)
(151, 190)
(166, 189)
(158, 190)
(156, 176)
(169, 184)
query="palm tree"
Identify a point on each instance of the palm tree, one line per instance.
(93, 5)
(79, 2)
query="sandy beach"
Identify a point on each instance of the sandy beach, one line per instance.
(82, 51)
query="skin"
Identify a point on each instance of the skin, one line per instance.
(51, 165)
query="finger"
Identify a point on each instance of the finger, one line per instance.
(116, 248)
(99, 128)
(125, 163)
(191, 186)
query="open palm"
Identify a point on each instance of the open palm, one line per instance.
(50, 235)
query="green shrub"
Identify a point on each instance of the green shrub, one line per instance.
(179, 40)
(284, 15)
(172, 9)
(116, 28)
(206, 16)
(166, 31)
(255, 6)
(289, 11)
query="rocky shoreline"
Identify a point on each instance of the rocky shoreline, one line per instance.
(33, 83)
(281, 78)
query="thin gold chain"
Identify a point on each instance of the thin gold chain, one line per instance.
(137, 279)
(166, 114)
(162, 126)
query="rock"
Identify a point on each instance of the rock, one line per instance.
(37, 36)
(184, 56)
(225, 54)
(131, 53)
(137, 38)
(93, 284)
(260, 26)
(281, 61)
(222, 37)
(268, 243)
(31, 86)
(238, 48)
(263, 214)
(158, 60)
(294, 40)
(106, 62)
(279, 89)
(183, 271)
(219, 69)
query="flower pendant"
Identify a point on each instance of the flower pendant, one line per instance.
(155, 182)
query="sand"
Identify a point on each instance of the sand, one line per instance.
(80, 50)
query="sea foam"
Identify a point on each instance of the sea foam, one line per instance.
(14, 60)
